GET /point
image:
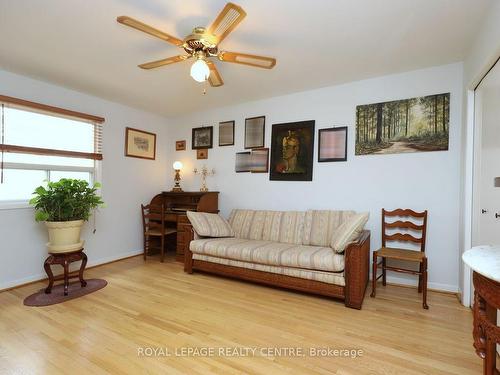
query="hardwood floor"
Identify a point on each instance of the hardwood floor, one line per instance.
(153, 306)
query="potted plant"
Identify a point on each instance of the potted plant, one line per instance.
(64, 206)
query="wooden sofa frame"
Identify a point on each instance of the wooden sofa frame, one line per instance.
(356, 273)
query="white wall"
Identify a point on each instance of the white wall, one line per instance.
(126, 183)
(489, 195)
(484, 52)
(364, 183)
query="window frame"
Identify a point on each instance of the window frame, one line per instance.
(95, 171)
(9, 204)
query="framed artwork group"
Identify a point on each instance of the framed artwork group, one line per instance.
(399, 126)
(254, 161)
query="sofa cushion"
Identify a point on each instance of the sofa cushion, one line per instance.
(319, 225)
(336, 278)
(281, 226)
(349, 231)
(210, 225)
(270, 253)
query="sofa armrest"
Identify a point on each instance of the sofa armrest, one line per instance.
(188, 254)
(357, 268)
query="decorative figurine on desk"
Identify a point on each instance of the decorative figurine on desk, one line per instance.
(204, 172)
(177, 167)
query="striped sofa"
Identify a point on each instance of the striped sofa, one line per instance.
(310, 251)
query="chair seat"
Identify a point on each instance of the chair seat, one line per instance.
(401, 254)
(157, 232)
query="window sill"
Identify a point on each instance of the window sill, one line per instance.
(14, 205)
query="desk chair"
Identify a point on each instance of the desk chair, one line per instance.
(153, 223)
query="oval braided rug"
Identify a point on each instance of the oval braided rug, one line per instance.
(57, 296)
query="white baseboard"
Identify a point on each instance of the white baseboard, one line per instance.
(43, 276)
(430, 285)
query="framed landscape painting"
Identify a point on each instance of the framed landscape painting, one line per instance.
(202, 137)
(140, 144)
(332, 144)
(226, 133)
(402, 126)
(254, 132)
(292, 151)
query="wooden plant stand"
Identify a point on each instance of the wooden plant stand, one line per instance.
(64, 259)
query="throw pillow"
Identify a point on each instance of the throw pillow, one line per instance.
(210, 225)
(349, 231)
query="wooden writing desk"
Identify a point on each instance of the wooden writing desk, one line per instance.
(176, 205)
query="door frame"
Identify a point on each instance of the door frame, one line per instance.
(471, 176)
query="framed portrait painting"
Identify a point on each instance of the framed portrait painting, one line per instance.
(254, 132)
(332, 144)
(226, 133)
(202, 137)
(292, 151)
(140, 144)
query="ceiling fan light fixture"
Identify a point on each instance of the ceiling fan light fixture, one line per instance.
(200, 71)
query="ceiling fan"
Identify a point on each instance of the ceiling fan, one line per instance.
(203, 44)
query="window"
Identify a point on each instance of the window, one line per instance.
(41, 143)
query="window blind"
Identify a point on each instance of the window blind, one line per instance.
(38, 129)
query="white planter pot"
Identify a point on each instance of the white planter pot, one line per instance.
(64, 236)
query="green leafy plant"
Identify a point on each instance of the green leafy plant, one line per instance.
(66, 200)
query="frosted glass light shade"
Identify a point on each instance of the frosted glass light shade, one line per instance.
(200, 71)
(177, 165)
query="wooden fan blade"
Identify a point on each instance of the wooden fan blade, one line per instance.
(215, 79)
(149, 30)
(246, 59)
(168, 61)
(226, 21)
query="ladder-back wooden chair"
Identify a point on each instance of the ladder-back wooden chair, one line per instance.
(411, 222)
(153, 223)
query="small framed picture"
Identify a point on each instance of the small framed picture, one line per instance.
(332, 144)
(226, 133)
(180, 145)
(254, 132)
(259, 160)
(243, 162)
(202, 137)
(202, 153)
(140, 144)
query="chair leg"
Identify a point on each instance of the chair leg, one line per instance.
(424, 282)
(374, 275)
(420, 277)
(162, 248)
(145, 247)
(384, 272)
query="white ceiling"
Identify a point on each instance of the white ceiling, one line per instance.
(78, 44)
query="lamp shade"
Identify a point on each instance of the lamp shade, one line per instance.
(200, 71)
(177, 165)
